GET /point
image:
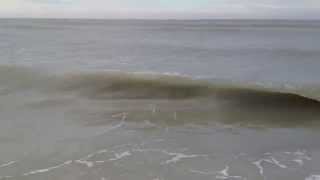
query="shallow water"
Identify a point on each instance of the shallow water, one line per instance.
(188, 100)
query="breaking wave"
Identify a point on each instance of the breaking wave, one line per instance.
(124, 85)
(95, 97)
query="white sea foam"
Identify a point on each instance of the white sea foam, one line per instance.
(119, 156)
(47, 169)
(7, 164)
(313, 177)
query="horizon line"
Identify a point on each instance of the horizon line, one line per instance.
(158, 19)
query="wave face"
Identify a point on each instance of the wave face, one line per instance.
(117, 85)
(163, 86)
(227, 101)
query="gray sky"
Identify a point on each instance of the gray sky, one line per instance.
(307, 9)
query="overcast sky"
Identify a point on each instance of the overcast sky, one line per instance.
(306, 9)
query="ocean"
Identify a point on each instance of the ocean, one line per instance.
(159, 99)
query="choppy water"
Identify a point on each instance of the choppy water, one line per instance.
(159, 100)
